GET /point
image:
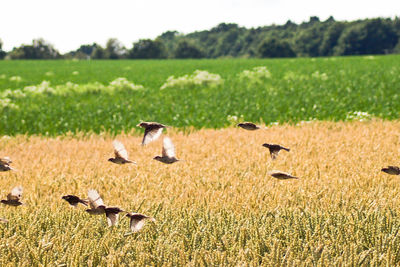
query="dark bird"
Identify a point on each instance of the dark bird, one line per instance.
(13, 198)
(74, 200)
(121, 155)
(97, 207)
(393, 170)
(274, 149)
(5, 164)
(138, 220)
(248, 126)
(168, 152)
(282, 175)
(152, 131)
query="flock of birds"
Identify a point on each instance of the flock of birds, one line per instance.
(153, 131)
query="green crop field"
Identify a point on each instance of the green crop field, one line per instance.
(81, 95)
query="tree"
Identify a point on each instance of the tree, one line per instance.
(186, 49)
(40, 49)
(273, 47)
(2, 52)
(114, 49)
(98, 53)
(309, 39)
(330, 39)
(374, 36)
(147, 48)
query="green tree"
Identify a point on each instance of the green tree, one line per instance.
(374, 36)
(2, 52)
(98, 53)
(330, 38)
(309, 39)
(114, 49)
(40, 49)
(147, 48)
(273, 47)
(186, 49)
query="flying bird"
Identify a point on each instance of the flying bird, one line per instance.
(97, 207)
(393, 170)
(5, 164)
(152, 131)
(96, 203)
(13, 198)
(248, 126)
(274, 149)
(121, 155)
(112, 214)
(74, 200)
(138, 220)
(168, 152)
(282, 175)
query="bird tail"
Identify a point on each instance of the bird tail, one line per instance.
(84, 201)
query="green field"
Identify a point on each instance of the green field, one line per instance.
(298, 90)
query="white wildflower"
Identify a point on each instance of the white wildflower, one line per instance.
(15, 79)
(358, 116)
(199, 78)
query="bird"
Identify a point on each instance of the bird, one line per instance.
(393, 170)
(112, 214)
(121, 155)
(96, 203)
(97, 207)
(152, 131)
(5, 164)
(282, 175)
(14, 197)
(274, 149)
(138, 220)
(168, 152)
(2, 220)
(248, 126)
(74, 200)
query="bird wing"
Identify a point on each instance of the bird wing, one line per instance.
(168, 149)
(274, 153)
(282, 175)
(119, 150)
(151, 134)
(94, 199)
(137, 224)
(16, 193)
(5, 160)
(112, 218)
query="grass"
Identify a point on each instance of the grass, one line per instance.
(218, 207)
(298, 90)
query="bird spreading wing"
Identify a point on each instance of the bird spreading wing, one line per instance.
(5, 161)
(119, 150)
(168, 149)
(16, 194)
(151, 134)
(138, 221)
(112, 218)
(94, 199)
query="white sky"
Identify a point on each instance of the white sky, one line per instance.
(69, 23)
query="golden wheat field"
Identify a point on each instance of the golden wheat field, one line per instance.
(218, 206)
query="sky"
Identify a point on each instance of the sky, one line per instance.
(67, 24)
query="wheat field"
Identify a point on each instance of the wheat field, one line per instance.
(218, 206)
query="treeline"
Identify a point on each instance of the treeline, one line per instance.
(313, 38)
